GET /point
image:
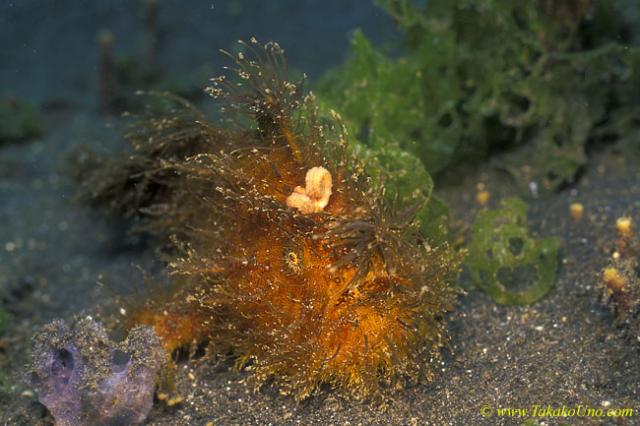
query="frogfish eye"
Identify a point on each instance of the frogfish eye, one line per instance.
(292, 259)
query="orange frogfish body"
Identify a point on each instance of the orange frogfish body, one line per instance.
(285, 251)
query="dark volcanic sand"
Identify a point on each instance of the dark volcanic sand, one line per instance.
(53, 252)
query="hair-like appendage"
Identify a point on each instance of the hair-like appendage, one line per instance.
(337, 287)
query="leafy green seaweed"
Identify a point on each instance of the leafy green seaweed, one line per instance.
(529, 84)
(502, 256)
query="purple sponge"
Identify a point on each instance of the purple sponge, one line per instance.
(84, 378)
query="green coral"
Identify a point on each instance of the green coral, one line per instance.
(534, 82)
(502, 256)
(19, 120)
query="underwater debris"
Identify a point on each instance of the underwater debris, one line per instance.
(121, 76)
(150, 31)
(19, 120)
(613, 279)
(562, 78)
(83, 378)
(5, 317)
(576, 210)
(620, 281)
(4, 320)
(106, 84)
(503, 257)
(349, 294)
(624, 228)
(482, 196)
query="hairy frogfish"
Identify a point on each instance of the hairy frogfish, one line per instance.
(284, 251)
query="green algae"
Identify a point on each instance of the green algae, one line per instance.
(528, 85)
(403, 175)
(503, 256)
(19, 120)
